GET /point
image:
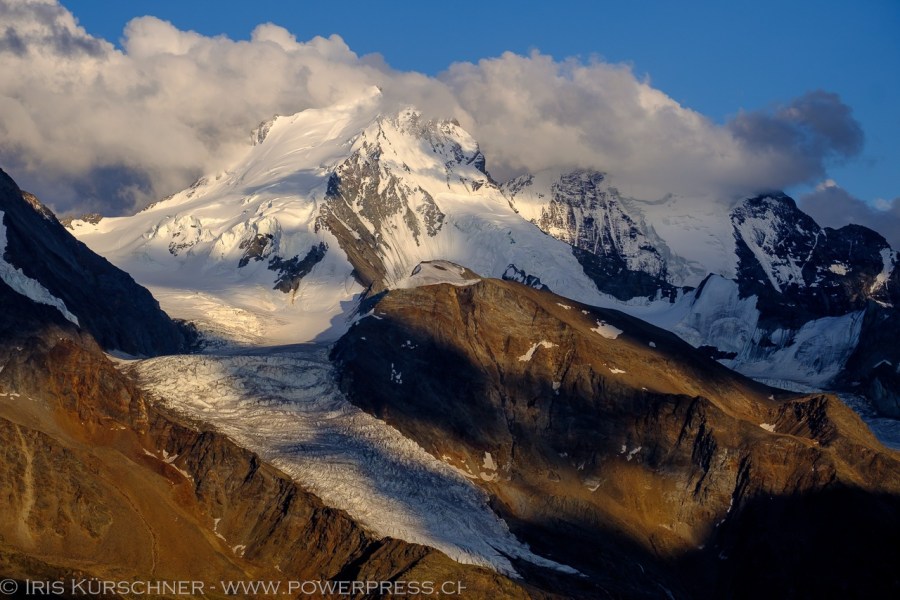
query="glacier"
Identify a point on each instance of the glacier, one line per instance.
(285, 406)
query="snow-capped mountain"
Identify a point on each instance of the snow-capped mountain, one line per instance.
(465, 427)
(102, 480)
(328, 204)
(775, 295)
(331, 204)
(615, 246)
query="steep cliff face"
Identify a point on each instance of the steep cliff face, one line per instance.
(873, 369)
(801, 271)
(611, 444)
(41, 259)
(617, 249)
(103, 484)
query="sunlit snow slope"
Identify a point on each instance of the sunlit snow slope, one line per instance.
(316, 185)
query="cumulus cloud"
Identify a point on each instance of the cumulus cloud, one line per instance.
(91, 127)
(833, 206)
(533, 112)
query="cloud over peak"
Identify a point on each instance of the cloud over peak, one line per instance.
(92, 127)
(833, 206)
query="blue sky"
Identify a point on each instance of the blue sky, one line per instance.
(714, 57)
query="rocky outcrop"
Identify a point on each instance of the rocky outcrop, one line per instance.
(108, 304)
(612, 446)
(291, 271)
(621, 255)
(379, 208)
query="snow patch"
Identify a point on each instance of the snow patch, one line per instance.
(28, 287)
(881, 280)
(767, 427)
(606, 330)
(396, 376)
(542, 344)
(488, 462)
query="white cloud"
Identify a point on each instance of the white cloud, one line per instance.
(88, 126)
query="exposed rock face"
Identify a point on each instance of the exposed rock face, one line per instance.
(376, 204)
(788, 273)
(513, 273)
(256, 247)
(874, 367)
(107, 302)
(612, 444)
(102, 484)
(623, 257)
(292, 270)
(800, 271)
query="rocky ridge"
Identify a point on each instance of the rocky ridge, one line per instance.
(615, 447)
(42, 256)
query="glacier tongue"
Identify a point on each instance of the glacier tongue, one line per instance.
(287, 408)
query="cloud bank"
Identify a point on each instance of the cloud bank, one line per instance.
(87, 126)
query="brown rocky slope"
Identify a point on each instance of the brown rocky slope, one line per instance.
(629, 455)
(97, 482)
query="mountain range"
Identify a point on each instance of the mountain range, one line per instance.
(355, 355)
(329, 205)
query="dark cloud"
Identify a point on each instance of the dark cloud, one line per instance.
(65, 43)
(11, 42)
(807, 134)
(49, 26)
(832, 206)
(109, 186)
